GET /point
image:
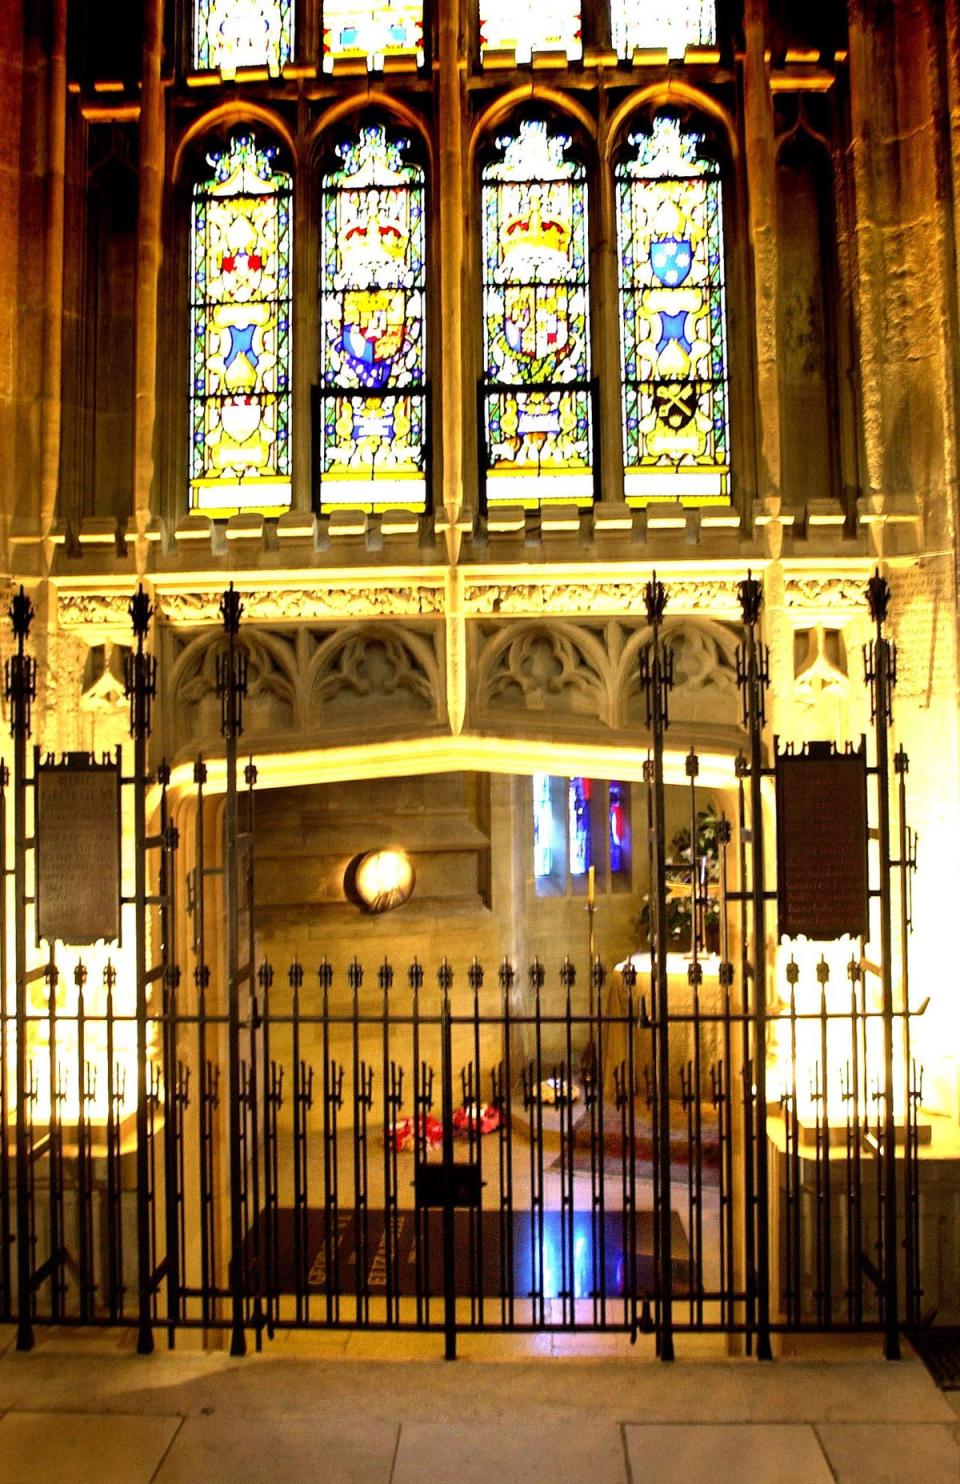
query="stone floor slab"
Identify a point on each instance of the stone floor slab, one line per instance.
(474, 1453)
(39, 1447)
(223, 1450)
(726, 1453)
(918, 1453)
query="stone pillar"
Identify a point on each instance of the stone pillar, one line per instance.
(11, 109)
(149, 249)
(50, 399)
(900, 88)
(448, 399)
(760, 175)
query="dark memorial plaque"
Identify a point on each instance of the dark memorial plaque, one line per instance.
(78, 850)
(822, 872)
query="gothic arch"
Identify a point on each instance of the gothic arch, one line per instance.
(370, 673)
(704, 673)
(533, 661)
(672, 94)
(271, 704)
(235, 113)
(548, 100)
(396, 114)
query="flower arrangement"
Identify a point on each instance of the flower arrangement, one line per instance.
(682, 862)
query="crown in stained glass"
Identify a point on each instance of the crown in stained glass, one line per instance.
(373, 343)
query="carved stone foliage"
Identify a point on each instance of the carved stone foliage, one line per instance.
(307, 685)
(589, 672)
(97, 611)
(714, 595)
(276, 605)
(844, 593)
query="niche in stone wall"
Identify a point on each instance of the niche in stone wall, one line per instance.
(307, 837)
(809, 466)
(96, 472)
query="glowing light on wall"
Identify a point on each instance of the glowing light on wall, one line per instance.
(56, 1071)
(241, 333)
(381, 879)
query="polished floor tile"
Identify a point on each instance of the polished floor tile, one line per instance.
(726, 1453)
(65, 1448)
(901, 1453)
(543, 1453)
(232, 1450)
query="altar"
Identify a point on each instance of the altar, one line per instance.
(684, 1033)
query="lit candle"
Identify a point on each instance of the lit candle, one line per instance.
(591, 886)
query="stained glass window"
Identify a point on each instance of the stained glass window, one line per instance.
(364, 31)
(243, 33)
(542, 825)
(537, 393)
(675, 25)
(618, 828)
(240, 333)
(526, 26)
(673, 319)
(372, 435)
(578, 812)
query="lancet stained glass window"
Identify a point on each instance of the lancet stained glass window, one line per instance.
(542, 825)
(525, 26)
(674, 25)
(240, 333)
(361, 30)
(243, 33)
(372, 404)
(578, 811)
(618, 828)
(537, 391)
(673, 319)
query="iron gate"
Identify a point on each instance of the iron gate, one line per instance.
(563, 1150)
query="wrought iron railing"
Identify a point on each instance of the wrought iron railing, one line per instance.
(574, 1150)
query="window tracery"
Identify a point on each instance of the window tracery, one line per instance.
(538, 415)
(673, 318)
(240, 332)
(372, 413)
